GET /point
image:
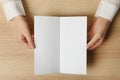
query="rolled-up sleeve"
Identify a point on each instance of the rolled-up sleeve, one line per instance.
(108, 9)
(12, 8)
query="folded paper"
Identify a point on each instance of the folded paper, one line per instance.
(60, 45)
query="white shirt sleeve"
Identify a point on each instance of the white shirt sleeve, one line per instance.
(12, 8)
(107, 9)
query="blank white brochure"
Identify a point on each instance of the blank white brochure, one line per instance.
(60, 45)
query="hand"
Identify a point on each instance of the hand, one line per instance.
(97, 33)
(23, 31)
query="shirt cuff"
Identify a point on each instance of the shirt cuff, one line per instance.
(12, 9)
(107, 10)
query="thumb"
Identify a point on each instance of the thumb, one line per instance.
(93, 41)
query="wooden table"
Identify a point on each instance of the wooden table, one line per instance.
(16, 61)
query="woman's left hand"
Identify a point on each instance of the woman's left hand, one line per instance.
(97, 33)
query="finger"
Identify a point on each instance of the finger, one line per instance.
(32, 37)
(89, 36)
(30, 41)
(24, 41)
(93, 41)
(98, 43)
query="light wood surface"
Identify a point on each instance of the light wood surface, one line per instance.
(16, 61)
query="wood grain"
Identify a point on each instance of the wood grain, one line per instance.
(16, 61)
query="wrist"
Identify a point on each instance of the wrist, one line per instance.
(103, 20)
(19, 18)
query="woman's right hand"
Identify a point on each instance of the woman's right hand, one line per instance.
(23, 31)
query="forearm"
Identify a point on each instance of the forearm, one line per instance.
(12, 8)
(107, 9)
